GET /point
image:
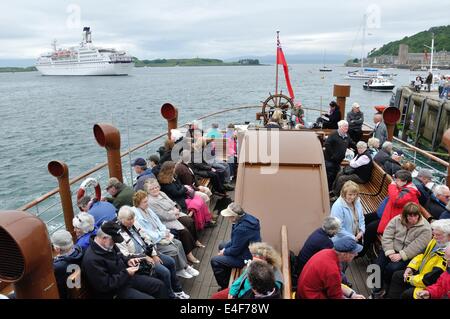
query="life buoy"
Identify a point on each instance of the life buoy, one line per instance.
(88, 182)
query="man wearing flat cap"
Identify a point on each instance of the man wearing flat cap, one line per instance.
(112, 275)
(144, 173)
(121, 193)
(321, 276)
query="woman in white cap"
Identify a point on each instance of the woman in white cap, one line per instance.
(232, 254)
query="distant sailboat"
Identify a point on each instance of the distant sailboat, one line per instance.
(325, 68)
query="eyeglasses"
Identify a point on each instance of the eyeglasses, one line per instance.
(153, 188)
(412, 214)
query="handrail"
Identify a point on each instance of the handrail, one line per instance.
(418, 150)
(103, 165)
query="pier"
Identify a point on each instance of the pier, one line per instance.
(425, 117)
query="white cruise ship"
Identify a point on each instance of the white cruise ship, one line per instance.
(86, 59)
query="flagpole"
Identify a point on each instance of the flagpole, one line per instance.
(276, 63)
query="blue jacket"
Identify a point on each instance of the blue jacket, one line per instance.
(445, 215)
(435, 207)
(243, 233)
(84, 240)
(341, 211)
(424, 191)
(140, 180)
(60, 265)
(102, 211)
(317, 241)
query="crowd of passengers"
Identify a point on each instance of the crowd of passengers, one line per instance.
(413, 250)
(136, 243)
(139, 240)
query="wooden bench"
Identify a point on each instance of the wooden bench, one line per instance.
(235, 273)
(375, 191)
(204, 181)
(285, 264)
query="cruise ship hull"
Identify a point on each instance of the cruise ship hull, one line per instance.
(86, 69)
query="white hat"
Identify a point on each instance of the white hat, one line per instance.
(233, 210)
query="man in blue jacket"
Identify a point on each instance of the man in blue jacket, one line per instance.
(232, 254)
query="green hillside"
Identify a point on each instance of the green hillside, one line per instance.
(191, 62)
(417, 41)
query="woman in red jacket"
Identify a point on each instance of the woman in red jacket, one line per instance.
(401, 191)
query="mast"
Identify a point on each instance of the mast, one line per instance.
(432, 52)
(363, 40)
(276, 63)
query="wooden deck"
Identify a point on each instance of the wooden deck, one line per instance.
(204, 285)
(357, 275)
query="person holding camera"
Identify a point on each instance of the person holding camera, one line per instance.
(137, 244)
(110, 274)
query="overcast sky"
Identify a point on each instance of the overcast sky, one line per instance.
(213, 28)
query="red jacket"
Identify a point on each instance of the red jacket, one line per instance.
(441, 288)
(398, 198)
(321, 277)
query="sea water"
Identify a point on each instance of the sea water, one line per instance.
(46, 118)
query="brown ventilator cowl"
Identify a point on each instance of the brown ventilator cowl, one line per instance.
(108, 136)
(170, 113)
(391, 115)
(26, 256)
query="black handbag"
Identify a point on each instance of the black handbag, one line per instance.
(145, 268)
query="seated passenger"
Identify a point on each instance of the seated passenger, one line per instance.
(393, 164)
(66, 254)
(121, 193)
(424, 176)
(321, 276)
(84, 227)
(158, 233)
(100, 210)
(241, 287)
(424, 269)
(275, 121)
(189, 203)
(261, 278)
(401, 191)
(348, 209)
(180, 224)
(110, 274)
(359, 169)
(441, 289)
(406, 236)
(137, 244)
(187, 177)
(144, 173)
(374, 145)
(318, 240)
(232, 254)
(330, 120)
(438, 201)
(384, 154)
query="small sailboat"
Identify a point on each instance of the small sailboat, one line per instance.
(325, 68)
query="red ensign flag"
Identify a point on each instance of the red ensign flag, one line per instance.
(282, 60)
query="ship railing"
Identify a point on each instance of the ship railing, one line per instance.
(48, 206)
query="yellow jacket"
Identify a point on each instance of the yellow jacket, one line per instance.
(427, 267)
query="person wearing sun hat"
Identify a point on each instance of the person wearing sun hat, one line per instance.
(321, 277)
(232, 254)
(110, 274)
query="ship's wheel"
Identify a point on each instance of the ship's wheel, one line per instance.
(277, 101)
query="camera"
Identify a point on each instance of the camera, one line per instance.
(145, 268)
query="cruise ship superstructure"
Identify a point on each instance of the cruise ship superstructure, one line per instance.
(86, 59)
